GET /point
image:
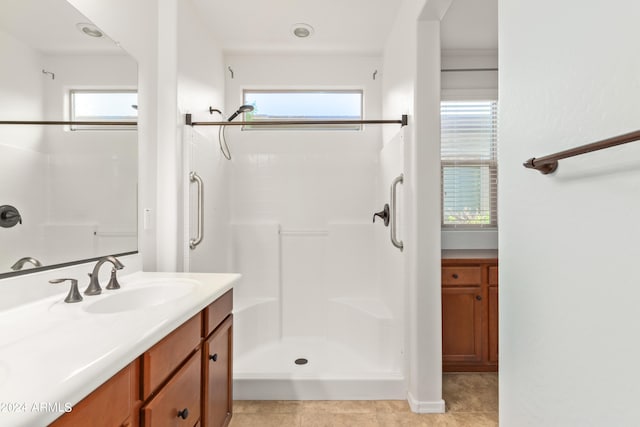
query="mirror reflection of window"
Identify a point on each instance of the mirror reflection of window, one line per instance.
(76, 192)
(103, 105)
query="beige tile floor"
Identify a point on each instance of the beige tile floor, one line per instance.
(471, 401)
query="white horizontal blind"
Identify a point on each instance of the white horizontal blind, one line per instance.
(469, 164)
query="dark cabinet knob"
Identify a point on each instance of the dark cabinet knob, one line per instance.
(478, 297)
(213, 357)
(455, 275)
(183, 414)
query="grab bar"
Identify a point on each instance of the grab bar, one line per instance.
(394, 220)
(193, 177)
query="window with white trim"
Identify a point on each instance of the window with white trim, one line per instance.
(103, 106)
(469, 164)
(292, 105)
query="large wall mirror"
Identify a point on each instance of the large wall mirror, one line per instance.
(67, 193)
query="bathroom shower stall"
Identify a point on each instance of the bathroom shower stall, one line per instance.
(320, 310)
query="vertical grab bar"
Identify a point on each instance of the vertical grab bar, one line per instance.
(193, 177)
(394, 217)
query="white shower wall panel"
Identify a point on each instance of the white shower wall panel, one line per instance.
(255, 251)
(352, 270)
(301, 190)
(304, 285)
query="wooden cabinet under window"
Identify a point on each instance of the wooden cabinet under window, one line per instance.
(469, 315)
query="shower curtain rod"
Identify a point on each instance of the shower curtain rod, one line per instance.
(402, 122)
(461, 70)
(71, 123)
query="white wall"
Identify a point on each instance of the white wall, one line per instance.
(21, 86)
(569, 320)
(200, 85)
(411, 76)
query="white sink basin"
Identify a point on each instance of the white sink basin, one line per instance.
(145, 295)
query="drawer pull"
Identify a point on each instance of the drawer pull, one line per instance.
(478, 297)
(213, 357)
(454, 275)
(183, 414)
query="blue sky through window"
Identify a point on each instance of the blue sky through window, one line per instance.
(345, 105)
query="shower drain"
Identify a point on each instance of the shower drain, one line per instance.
(301, 361)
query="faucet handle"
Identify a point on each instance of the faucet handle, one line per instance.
(74, 294)
(113, 282)
(383, 214)
(94, 287)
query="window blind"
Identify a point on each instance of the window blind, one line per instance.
(469, 164)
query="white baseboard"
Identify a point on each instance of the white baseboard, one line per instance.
(433, 407)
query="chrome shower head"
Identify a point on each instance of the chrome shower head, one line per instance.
(242, 109)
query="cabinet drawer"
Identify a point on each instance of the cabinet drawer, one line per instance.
(493, 275)
(165, 357)
(181, 395)
(109, 405)
(217, 311)
(461, 276)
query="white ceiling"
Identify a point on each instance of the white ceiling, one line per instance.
(265, 25)
(50, 27)
(347, 26)
(352, 26)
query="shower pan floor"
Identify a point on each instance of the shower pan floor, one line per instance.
(332, 372)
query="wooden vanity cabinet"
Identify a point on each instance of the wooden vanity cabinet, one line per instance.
(115, 403)
(217, 363)
(469, 315)
(183, 380)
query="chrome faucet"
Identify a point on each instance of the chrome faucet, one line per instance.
(22, 261)
(94, 285)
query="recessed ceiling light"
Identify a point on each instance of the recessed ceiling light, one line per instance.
(302, 30)
(89, 29)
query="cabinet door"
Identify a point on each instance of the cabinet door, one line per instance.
(109, 405)
(177, 403)
(461, 324)
(218, 396)
(493, 324)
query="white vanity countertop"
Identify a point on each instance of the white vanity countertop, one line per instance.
(54, 354)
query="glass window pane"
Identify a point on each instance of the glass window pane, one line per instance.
(466, 195)
(103, 106)
(304, 105)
